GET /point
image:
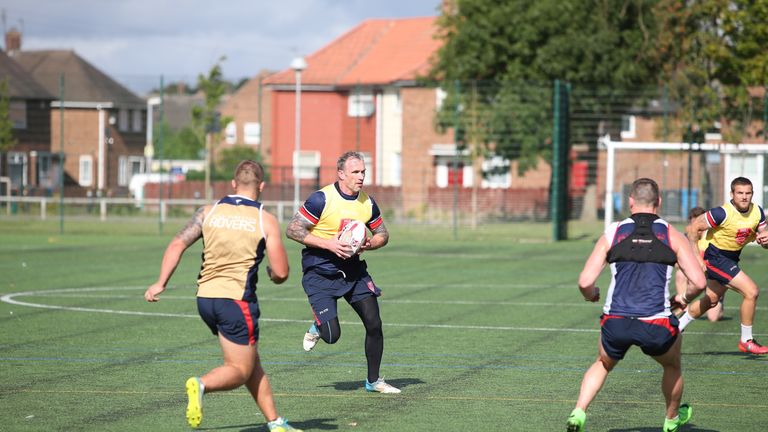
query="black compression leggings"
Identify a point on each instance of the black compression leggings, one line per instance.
(368, 310)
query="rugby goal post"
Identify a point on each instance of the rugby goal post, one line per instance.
(747, 160)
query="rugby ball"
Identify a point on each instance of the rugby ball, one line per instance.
(353, 233)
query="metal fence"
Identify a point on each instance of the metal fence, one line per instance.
(472, 187)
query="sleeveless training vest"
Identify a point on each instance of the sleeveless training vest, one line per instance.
(643, 245)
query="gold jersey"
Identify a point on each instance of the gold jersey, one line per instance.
(234, 244)
(730, 229)
(339, 210)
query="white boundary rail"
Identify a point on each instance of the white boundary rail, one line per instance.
(279, 207)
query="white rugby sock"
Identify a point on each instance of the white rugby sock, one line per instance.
(746, 333)
(685, 319)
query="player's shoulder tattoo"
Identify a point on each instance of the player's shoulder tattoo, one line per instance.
(193, 230)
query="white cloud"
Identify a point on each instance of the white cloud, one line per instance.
(142, 39)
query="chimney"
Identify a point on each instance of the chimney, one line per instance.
(449, 7)
(12, 41)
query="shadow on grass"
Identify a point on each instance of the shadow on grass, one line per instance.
(312, 424)
(735, 354)
(400, 383)
(690, 427)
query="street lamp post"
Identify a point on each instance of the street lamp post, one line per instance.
(149, 147)
(298, 64)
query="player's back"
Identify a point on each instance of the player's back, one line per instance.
(234, 246)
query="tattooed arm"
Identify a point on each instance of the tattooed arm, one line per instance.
(379, 239)
(298, 230)
(187, 236)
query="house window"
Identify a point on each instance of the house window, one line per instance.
(628, 126)
(122, 120)
(17, 169)
(307, 164)
(230, 133)
(85, 175)
(136, 123)
(17, 112)
(496, 173)
(128, 166)
(45, 170)
(450, 172)
(713, 133)
(360, 105)
(440, 96)
(252, 133)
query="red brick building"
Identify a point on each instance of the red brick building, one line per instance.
(104, 123)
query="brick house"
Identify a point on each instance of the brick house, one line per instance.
(30, 165)
(250, 108)
(359, 92)
(104, 123)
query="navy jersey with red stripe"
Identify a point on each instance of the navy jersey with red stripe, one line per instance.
(638, 289)
(328, 210)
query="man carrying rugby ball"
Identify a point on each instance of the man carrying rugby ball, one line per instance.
(333, 270)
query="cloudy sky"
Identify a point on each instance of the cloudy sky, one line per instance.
(136, 41)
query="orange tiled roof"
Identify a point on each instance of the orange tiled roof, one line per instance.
(377, 51)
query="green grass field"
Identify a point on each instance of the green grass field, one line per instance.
(484, 333)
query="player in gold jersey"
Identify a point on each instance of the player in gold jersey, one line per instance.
(332, 271)
(729, 228)
(237, 233)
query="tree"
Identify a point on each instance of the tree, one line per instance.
(185, 143)
(207, 119)
(711, 53)
(509, 53)
(231, 156)
(7, 140)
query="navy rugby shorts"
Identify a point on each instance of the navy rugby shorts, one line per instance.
(236, 320)
(324, 290)
(720, 268)
(654, 337)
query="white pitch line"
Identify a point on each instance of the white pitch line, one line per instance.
(9, 298)
(387, 300)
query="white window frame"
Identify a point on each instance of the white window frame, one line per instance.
(310, 163)
(17, 159)
(496, 180)
(252, 133)
(715, 136)
(85, 170)
(440, 96)
(125, 169)
(361, 104)
(631, 131)
(230, 133)
(45, 169)
(443, 164)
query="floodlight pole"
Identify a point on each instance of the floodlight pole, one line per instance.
(298, 65)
